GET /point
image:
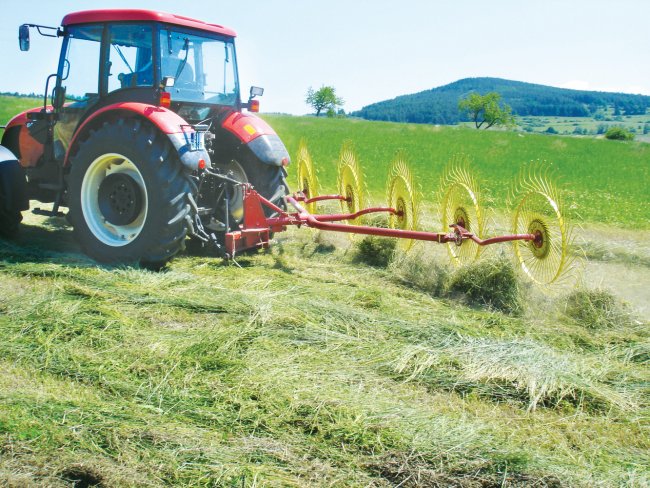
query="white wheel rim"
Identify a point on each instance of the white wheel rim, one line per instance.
(106, 232)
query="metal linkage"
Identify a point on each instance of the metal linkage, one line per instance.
(255, 230)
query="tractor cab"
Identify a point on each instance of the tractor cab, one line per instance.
(160, 59)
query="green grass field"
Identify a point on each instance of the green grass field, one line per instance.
(567, 125)
(11, 106)
(602, 181)
(304, 366)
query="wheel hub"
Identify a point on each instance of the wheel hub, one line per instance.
(461, 219)
(120, 199)
(401, 213)
(305, 188)
(541, 245)
(349, 194)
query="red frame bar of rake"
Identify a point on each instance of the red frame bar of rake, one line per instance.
(256, 228)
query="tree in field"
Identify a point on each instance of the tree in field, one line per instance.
(619, 134)
(487, 110)
(323, 99)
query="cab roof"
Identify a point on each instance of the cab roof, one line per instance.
(130, 15)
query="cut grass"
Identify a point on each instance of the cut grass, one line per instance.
(321, 371)
(597, 308)
(375, 251)
(491, 282)
(604, 252)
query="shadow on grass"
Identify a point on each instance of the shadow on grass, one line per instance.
(49, 243)
(53, 242)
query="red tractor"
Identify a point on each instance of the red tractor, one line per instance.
(145, 142)
(143, 138)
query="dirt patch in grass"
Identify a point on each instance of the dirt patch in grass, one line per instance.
(406, 470)
(82, 476)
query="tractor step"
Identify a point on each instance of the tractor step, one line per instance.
(51, 186)
(48, 213)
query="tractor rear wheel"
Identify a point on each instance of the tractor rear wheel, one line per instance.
(9, 221)
(269, 181)
(10, 213)
(128, 195)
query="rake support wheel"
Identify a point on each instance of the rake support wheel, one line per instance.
(403, 197)
(350, 183)
(461, 206)
(306, 174)
(538, 211)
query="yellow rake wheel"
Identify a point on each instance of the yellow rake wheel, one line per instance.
(403, 197)
(461, 205)
(539, 212)
(306, 174)
(350, 183)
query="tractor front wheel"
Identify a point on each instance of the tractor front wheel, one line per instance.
(128, 195)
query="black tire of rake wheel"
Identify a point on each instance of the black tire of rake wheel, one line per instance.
(167, 185)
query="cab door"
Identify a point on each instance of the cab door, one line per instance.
(79, 75)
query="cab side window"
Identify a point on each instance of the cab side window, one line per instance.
(81, 63)
(130, 61)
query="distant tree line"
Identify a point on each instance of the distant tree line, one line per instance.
(440, 105)
(22, 95)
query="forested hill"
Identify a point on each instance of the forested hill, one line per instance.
(440, 105)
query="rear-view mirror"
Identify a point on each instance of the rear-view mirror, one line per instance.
(23, 37)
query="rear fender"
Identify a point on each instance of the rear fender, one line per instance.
(181, 134)
(12, 179)
(259, 137)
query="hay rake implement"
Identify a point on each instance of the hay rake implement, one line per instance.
(539, 234)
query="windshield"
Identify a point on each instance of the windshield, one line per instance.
(203, 68)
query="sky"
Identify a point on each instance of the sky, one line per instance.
(371, 51)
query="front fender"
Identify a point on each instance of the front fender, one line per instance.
(28, 148)
(181, 134)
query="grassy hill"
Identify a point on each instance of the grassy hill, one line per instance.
(440, 105)
(304, 366)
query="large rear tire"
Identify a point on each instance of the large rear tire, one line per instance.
(269, 181)
(10, 211)
(128, 195)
